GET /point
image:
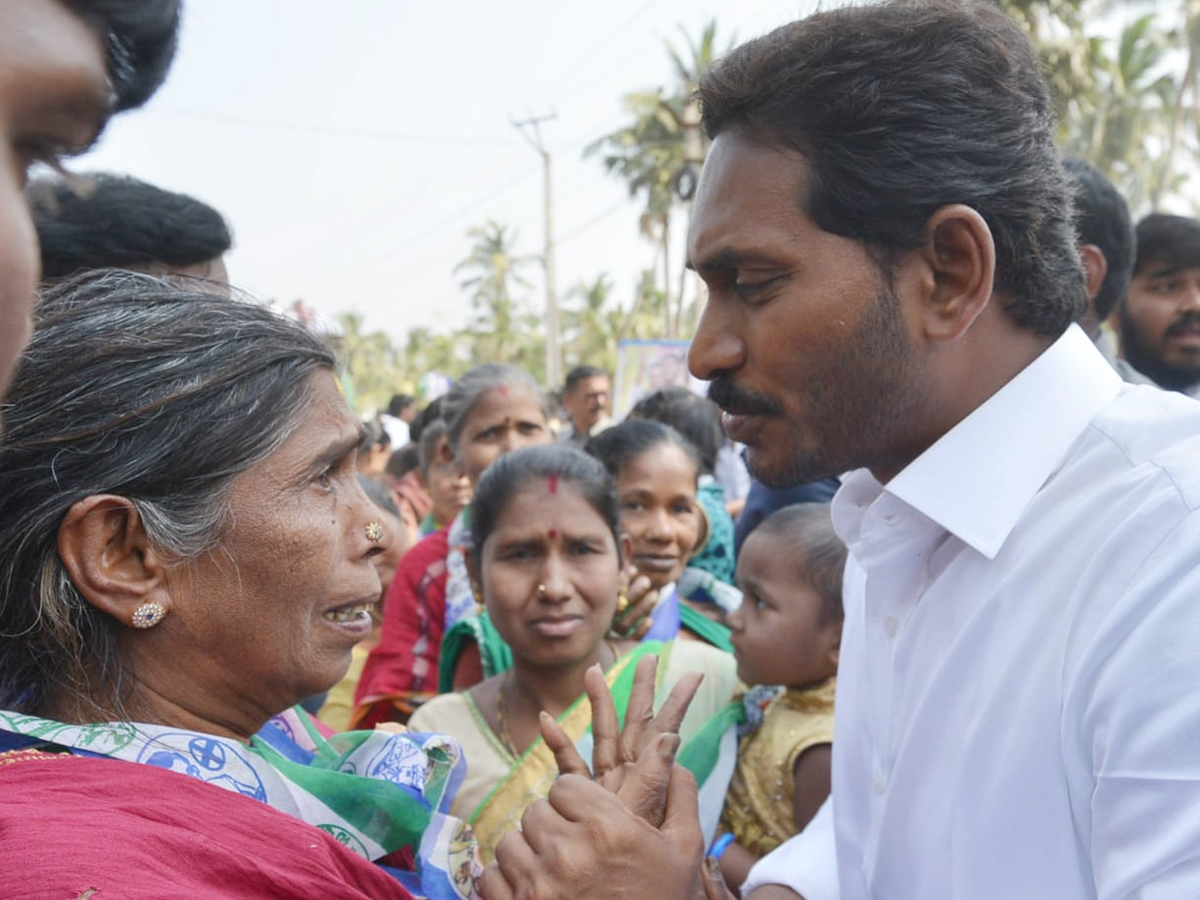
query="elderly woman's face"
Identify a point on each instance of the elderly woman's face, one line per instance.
(270, 616)
(502, 420)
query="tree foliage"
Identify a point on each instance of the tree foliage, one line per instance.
(1125, 75)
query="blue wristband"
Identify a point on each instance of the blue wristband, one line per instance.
(720, 845)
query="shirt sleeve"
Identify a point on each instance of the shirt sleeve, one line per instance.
(806, 863)
(1131, 729)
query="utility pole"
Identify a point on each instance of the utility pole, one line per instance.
(530, 130)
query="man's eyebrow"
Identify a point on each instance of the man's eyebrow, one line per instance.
(729, 258)
(1161, 269)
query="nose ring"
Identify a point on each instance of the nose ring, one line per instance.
(374, 532)
(541, 589)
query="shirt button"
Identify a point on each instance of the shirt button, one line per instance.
(878, 780)
(890, 626)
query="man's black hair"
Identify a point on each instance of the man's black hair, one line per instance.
(902, 107)
(140, 38)
(1102, 219)
(104, 220)
(399, 403)
(1173, 240)
(579, 373)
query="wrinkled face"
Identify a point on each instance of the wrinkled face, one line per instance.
(778, 636)
(447, 484)
(54, 99)
(588, 402)
(1159, 322)
(502, 420)
(549, 574)
(270, 616)
(659, 512)
(802, 337)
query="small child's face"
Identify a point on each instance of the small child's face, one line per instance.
(778, 637)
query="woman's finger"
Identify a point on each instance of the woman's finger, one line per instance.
(641, 602)
(565, 755)
(640, 712)
(493, 885)
(605, 729)
(713, 882)
(671, 713)
(637, 601)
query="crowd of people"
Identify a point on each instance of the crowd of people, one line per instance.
(903, 608)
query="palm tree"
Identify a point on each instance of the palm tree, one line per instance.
(1124, 104)
(1182, 107)
(372, 362)
(661, 148)
(593, 326)
(501, 329)
(1127, 122)
(426, 351)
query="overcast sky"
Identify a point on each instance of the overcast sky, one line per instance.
(351, 145)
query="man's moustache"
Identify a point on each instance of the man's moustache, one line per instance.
(737, 401)
(1186, 321)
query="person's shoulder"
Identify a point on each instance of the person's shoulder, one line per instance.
(438, 713)
(719, 666)
(1155, 432)
(688, 651)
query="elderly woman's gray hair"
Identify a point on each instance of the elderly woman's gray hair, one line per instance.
(135, 387)
(459, 400)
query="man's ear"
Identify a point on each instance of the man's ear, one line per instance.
(103, 545)
(961, 256)
(833, 643)
(1095, 267)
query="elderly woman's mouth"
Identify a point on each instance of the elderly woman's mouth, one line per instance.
(356, 613)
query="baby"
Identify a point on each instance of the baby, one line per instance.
(786, 632)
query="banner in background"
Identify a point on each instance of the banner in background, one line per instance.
(644, 367)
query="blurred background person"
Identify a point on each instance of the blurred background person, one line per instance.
(100, 220)
(401, 411)
(1159, 319)
(587, 401)
(491, 410)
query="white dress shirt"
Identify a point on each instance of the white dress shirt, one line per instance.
(1018, 702)
(804, 863)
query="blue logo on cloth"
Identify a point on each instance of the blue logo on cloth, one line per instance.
(208, 759)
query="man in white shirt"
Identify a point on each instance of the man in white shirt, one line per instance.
(886, 234)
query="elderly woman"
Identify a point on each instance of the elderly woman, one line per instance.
(186, 553)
